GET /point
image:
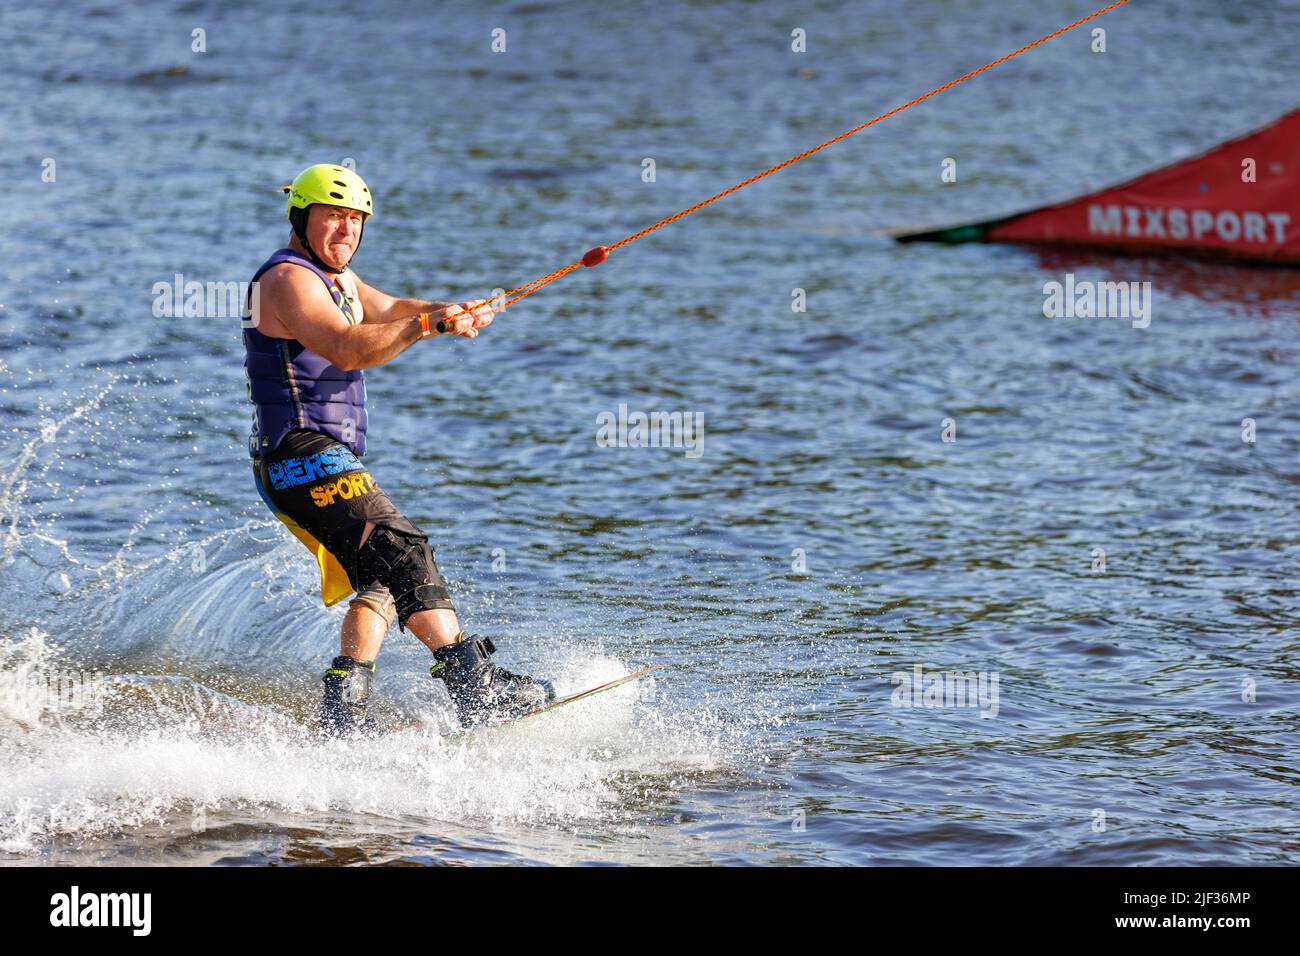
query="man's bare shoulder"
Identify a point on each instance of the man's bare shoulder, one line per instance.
(287, 294)
(284, 284)
(286, 276)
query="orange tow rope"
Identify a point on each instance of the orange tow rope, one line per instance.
(596, 256)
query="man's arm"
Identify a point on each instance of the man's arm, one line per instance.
(306, 309)
(382, 308)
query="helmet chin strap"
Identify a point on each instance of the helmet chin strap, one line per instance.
(298, 219)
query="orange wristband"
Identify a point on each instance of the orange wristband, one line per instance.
(424, 325)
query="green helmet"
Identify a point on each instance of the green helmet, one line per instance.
(331, 185)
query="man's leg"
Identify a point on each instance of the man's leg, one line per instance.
(363, 633)
(435, 628)
(348, 681)
(397, 557)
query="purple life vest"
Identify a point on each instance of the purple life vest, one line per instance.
(291, 386)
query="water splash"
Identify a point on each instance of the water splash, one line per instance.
(154, 749)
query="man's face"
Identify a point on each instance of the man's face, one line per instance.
(334, 232)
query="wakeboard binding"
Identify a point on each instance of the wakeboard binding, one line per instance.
(481, 691)
(345, 707)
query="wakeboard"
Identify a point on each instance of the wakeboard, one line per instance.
(545, 708)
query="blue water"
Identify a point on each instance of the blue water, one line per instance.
(825, 540)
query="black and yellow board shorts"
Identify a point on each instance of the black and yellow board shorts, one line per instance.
(325, 495)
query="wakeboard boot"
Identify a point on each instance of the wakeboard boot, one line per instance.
(479, 690)
(345, 709)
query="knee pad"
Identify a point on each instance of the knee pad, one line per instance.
(403, 563)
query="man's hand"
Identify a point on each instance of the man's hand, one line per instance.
(476, 314)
